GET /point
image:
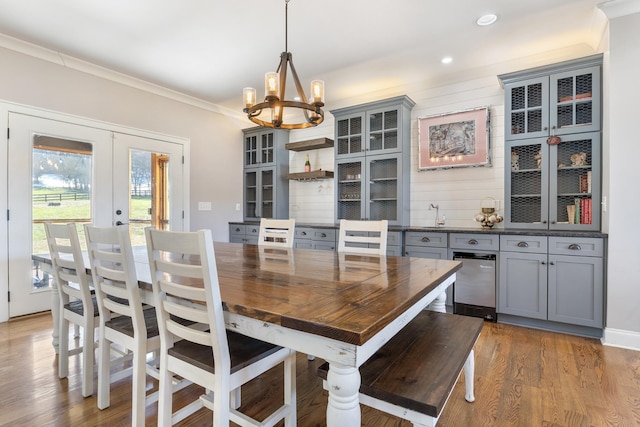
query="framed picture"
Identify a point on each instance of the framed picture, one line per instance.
(454, 140)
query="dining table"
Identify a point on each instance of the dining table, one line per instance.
(341, 308)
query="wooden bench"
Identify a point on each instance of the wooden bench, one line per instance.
(412, 376)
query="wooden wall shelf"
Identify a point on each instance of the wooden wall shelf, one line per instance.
(311, 144)
(310, 176)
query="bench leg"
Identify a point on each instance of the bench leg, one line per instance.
(343, 408)
(469, 372)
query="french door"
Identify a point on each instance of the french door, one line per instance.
(66, 172)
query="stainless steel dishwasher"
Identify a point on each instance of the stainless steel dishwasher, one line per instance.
(474, 291)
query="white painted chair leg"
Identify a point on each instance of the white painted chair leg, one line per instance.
(290, 389)
(165, 398)
(88, 359)
(469, 372)
(138, 380)
(104, 368)
(63, 348)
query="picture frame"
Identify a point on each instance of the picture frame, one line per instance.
(454, 140)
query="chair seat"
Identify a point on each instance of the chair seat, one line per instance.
(124, 324)
(243, 349)
(75, 306)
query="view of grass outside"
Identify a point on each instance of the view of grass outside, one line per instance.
(64, 205)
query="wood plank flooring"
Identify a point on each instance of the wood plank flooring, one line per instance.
(524, 377)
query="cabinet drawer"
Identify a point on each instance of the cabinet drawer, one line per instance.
(488, 242)
(302, 233)
(324, 235)
(583, 246)
(425, 252)
(419, 238)
(253, 230)
(528, 244)
(237, 230)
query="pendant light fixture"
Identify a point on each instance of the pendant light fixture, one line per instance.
(271, 111)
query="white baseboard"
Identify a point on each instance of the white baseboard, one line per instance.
(621, 338)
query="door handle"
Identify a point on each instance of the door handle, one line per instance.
(120, 223)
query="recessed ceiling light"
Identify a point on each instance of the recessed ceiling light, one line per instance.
(488, 19)
(447, 60)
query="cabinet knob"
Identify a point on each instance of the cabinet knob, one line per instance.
(472, 242)
(425, 239)
(551, 263)
(304, 233)
(543, 263)
(523, 245)
(575, 247)
(544, 222)
(323, 235)
(553, 222)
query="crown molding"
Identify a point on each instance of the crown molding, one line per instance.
(76, 64)
(618, 8)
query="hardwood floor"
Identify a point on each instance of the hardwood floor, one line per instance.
(524, 377)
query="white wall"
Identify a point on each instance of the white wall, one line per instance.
(623, 140)
(216, 140)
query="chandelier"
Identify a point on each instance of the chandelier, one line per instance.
(270, 112)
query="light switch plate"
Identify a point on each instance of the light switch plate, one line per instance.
(204, 206)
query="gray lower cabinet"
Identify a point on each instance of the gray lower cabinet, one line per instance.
(315, 238)
(560, 279)
(244, 233)
(523, 276)
(423, 244)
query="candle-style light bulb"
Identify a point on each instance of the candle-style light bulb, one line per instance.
(249, 96)
(271, 85)
(317, 91)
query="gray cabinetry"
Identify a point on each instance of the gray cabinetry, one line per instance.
(522, 284)
(266, 163)
(315, 238)
(576, 281)
(244, 233)
(553, 146)
(373, 156)
(423, 244)
(560, 279)
(558, 99)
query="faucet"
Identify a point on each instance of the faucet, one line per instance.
(439, 221)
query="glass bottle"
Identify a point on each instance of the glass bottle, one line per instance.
(307, 165)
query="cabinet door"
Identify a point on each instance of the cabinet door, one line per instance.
(574, 183)
(575, 101)
(527, 109)
(383, 131)
(523, 285)
(384, 188)
(526, 184)
(251, 203)
(267, 192)
(576, 290)
(350, 191)
(350, 139)
(259, 149)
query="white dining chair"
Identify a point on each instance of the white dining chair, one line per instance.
(363, 237)
(77, 303)
(185, 286)
(124, 321)
(276, 232)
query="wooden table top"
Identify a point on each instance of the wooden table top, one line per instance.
(344, 297)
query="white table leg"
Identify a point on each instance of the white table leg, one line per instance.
(439, 304)
(469, 372)
(344, 404)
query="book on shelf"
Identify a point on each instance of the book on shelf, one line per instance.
(589, 182)
(578, 213)
(583, 183)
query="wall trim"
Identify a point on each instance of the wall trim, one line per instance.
(621, 338)
(617, 8)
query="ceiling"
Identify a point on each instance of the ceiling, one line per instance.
(212, 49)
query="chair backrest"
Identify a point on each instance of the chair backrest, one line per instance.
(363, 237)
(67, 263)
(114, 274)
(185, 284)
(276, 232)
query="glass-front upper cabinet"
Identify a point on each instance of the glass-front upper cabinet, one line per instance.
(554, 187)
(259, 148)
(373, 158)
(558, 99)
(266, 163)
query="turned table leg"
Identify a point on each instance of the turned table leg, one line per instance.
(343, 384)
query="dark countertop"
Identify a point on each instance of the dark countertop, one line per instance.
(472, 230)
